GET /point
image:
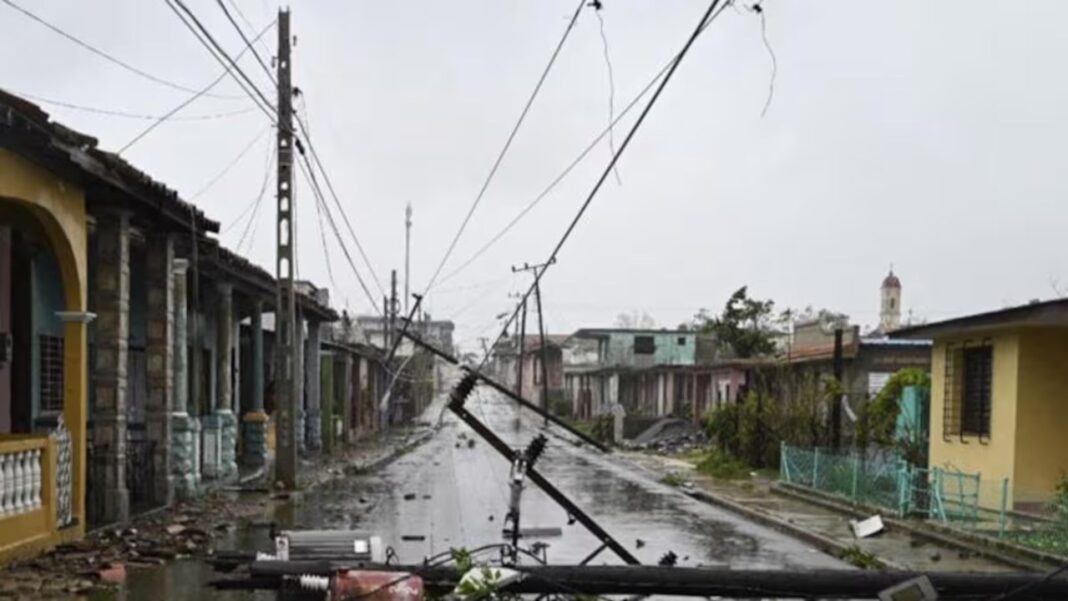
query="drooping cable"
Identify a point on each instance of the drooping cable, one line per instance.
(108, 57)
(326, 251)
(229, 167)
(611, 91)
(254, 204)
(244, 38)
(337, 202)
(169, 114)
(190, 20)
(563, 174)
(710, 14)
(507, 145)
(309, 176)
(128, 114)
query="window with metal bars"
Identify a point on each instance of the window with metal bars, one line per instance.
(51, 372)
(644, 345)
(969, 377)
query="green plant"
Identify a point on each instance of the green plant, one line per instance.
(1060, 500)
(862, 559)
(672, 479)
(722, 427)
(462, 558)
(877, 423)
(722, 466)
(486, 586)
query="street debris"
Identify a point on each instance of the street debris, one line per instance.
(869, 527)
(671, 436)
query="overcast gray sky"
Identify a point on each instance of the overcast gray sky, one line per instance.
(929, 135)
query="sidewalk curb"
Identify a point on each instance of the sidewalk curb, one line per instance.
(977, 545)
(823, 543)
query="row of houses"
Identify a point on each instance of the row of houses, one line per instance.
(682, 373)
(998, 404)
(137, 352)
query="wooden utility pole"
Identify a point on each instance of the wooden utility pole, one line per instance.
(287, 399)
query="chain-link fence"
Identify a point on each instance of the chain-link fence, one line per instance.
(871, 477)
(950, 497)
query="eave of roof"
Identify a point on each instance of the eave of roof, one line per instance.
(27, 130)
(1050, 313)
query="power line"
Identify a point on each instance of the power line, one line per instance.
(219, 53)
(563, 174)
(254, 204)
(337, 201)
(326, 251)
(208, 41)
(309, 176)
(106, 56)
(709, 15)
(190, 100)
(233, 163)
(611, 91)
(507, 145)
(127, 114)
(241, 33)
(300, 123)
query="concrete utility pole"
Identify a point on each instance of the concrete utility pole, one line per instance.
(407, 253)
(286, 385)
(538, 270)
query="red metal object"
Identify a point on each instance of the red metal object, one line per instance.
(367, 585)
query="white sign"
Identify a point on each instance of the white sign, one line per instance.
(877, 381)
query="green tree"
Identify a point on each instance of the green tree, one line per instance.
(745, 326)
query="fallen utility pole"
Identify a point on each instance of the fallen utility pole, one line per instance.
(509, 393)
(691, 582)
(456, 405)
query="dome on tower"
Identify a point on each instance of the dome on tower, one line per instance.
(891, 281)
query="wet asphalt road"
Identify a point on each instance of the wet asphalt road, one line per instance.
(461, 496)
(457, 496)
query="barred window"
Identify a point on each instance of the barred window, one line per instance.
(968, 392)
(51, 372)
(644, 345)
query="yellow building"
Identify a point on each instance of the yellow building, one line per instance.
(999, 399)
(42, 478)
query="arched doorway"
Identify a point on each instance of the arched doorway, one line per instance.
(42, 352)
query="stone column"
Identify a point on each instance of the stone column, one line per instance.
(313, 388)
(301, 374)
(224, 381)
(112, 298)
(255, 419)
(184, 467)
(345, 388)
(327, 402)
(160, 350)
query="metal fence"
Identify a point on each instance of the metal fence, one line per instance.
(883, 479)
(959, 500)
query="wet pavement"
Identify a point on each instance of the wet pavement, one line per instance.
(447, 494)
(450, 493)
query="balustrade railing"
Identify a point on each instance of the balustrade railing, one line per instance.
(21, 469)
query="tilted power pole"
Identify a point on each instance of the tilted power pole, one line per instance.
(286, 398)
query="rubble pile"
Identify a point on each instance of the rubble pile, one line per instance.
(671, 436)
(102, 558)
